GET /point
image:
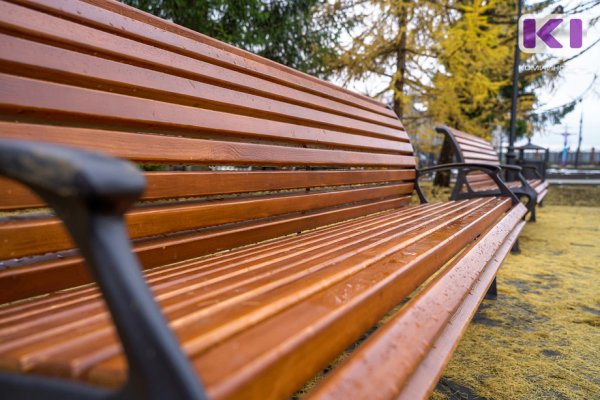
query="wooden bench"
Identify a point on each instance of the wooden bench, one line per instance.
(265, 270)
(472, 149)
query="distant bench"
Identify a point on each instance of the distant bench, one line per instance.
(472, 149)
(265, 270)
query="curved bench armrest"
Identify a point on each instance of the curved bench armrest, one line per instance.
(525, 186)
(491, 170)
(516, 168)
(535, 171)
(91, 192)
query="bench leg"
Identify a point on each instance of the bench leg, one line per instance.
(516, 249)
(532, 215)
(492, 293)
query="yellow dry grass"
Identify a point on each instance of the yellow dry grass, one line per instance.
(541, 338)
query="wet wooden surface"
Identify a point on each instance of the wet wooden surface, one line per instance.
(277, 233)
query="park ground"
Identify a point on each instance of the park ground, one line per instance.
(540, 339)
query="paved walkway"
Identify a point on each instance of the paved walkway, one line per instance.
(558, 181)
(541, 338)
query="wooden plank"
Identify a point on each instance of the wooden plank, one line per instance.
(52, 100)
(44, 277)
(146, 28)
(94, 41)
(356, 297)
(183, 287)
(14, 196)
(170, 185)
(477, 145)
(302, 261)
(469, 155)
(468, 137)
(61, 65)
(39, 236)
(423, 381)
(400, 346)
(175, 150)
(160, 278)
(490, 152)
(157, 149)
(541, 195)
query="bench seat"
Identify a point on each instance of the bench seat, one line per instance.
(468, 148)
(540, 187)
(246, 315)
(275, 227)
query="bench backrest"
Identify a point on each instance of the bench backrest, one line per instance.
(267, 150)
(469, 148)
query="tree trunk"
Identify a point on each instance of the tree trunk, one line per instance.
(400, 65)
(442, 178)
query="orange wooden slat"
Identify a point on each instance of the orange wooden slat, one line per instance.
(427, 375)
(170, 185)
(157, 149)
(129, 22)
(54, 102)
(382, 234)
(33, 23)
(26, 57)
(39, 236)
(468, 137)
(417, 325)
(48, 276)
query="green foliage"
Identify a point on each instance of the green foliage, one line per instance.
(554, 115)
(296, 33)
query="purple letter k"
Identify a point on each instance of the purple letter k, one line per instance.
(545, 33)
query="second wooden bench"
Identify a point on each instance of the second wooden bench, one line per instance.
(472, 149)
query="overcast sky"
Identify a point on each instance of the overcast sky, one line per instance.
(577, 77)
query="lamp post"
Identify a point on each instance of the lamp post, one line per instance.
(510, 153)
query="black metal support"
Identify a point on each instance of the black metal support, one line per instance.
(492, 293)
(492, 171)
(525, 190)
(516, 249)
(445, 130)
(535, 171)
(90, 193)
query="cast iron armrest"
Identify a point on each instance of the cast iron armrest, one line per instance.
(491, 170)
(520, 168)
(90, 192)
(511, 167)
(535, 171)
